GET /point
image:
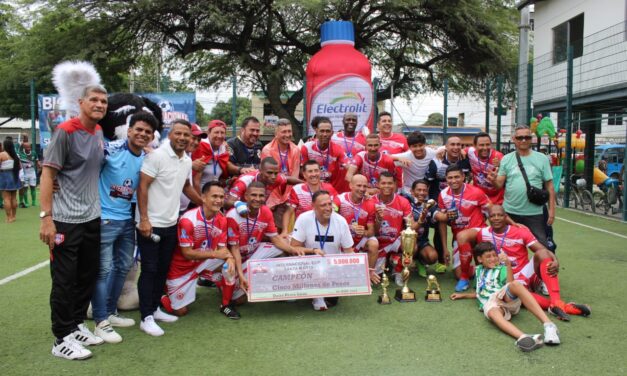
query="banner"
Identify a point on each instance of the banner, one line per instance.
(173, 105)
(308, 277)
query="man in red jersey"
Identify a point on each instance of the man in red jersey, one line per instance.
(201, 249)
(391, 143)
(515, 241)
(351, 141)
(301, 194)
(330, 156)
(484, 159)
(371, 163)
(359, 214)
(391, 209)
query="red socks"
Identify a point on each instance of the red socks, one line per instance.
(465, 257)
(551, 282)
(227, 292)
(542, 300)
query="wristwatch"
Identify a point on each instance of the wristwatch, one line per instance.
(43, 214)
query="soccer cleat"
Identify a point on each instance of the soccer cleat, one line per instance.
(23, 205)
(70, 349)
(85, 337)
(551, 334)
(558, 312)
(120, 321)
(398, 279)
(462, 285)
(422, 270)
(159, 315)
(203, 282)
(577, 309)
(528, 343)
(106, 332)
(440, 268)
(319, 304)
(166, 303)
(230, 312)
(149, 326)
(331, 302)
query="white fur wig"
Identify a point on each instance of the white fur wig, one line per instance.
(70, 79)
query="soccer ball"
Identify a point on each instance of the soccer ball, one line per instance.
(166, 106)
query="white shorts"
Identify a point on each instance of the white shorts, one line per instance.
(182, 290)
(456, 261)
(497, 300)
(28, 178)
(383, 253)
(526, 274)
(360, 247)
(265, 250)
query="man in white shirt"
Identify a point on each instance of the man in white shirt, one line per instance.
(322, 231)
(416, 162)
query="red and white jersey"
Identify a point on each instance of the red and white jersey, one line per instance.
(192, 232)
(362, 213)
(248, 232)
(480, 169)
(371, 170)
(471, 204)
(330, 160)
(392, 224)
(514, 241)
(350, 145)
(301, 196)
(241, 184)
(396, 143)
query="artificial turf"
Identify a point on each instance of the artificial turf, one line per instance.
(358, 337)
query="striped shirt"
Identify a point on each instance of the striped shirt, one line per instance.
(77, 154)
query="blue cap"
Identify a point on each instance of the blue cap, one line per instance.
(337, 32)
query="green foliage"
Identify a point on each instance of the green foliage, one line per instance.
(223, 111)
(434, 119)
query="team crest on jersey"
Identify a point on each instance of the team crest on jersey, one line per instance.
(124, 191)
(230, 232)
(59, 239)
(184, 234)
(204, 244)
(252, 241)
(384, 224)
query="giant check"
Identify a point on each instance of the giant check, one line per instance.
(308, 277)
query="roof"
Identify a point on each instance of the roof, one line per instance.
(449, 130)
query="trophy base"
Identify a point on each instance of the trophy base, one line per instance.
(384, 299)
(433, 296)
(405, 297)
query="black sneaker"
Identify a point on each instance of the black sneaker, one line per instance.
(230, 312)
(205, 282)
(559, 313)
(584, 309)
(332, 302)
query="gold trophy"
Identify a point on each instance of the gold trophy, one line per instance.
(384, 298)
(433, 293)
(408, 244)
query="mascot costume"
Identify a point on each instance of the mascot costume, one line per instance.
(70, 78)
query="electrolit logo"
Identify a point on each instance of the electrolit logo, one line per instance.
(349, 94)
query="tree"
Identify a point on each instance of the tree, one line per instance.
(223, 110)
(413, 45)
(435, 118)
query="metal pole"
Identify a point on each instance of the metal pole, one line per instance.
(392, 102)
(625, 181)
(569, 126)
(445, 115)
(32, 115)
(305, 122)
(487, 106)
(234, 106)
(499, 102)
(375, 87)
(529, 93)
(523, 59)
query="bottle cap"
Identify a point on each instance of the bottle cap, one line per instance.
(337, 32)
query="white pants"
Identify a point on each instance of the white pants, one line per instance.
(264, 251)
(182, 290)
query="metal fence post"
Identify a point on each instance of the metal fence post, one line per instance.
(445, 115)
(234, 106)
(304, 134)
(375, 87)
(487, 106)
(32, 117)
(499, 103)
(529, 91)
(569, 126)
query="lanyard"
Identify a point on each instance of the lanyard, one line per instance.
(499, 248)
(326, 162)
(484, 168)
(284, 165)
(204, 221)
(320, 239)
(372, 170)
(349, 151)
(248, 229)
(356, 213)
(461, 196)
(215, 160)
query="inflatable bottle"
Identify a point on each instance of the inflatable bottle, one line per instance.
(339, 78)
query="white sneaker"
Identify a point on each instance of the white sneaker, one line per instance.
(319, 304)
(159, 315)
(70, 349)
(85, 337)
(149, 326)
(106, 332)
(398, 279)
(120, 321)
(551, 334)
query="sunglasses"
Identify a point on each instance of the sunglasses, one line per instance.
(523, 138)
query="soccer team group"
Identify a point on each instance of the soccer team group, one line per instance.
(206, 205)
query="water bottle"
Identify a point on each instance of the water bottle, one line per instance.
(241, 208)
(229, 278)
(154, 237)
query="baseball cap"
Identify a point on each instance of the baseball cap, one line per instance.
(217, 123)
(196, 131)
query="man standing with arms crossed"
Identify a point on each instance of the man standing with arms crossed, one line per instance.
(352, 142)
(164, 175)
(70, 222)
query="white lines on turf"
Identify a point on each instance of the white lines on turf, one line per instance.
(23, 272)
(593, 228)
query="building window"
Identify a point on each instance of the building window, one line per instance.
(615, 118)
(568, 33)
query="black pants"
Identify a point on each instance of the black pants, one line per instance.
(155, 261)
(74, 265)
(536, 224)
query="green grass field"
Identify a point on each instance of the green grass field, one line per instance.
(358, 337)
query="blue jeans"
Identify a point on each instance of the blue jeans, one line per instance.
(117, 242)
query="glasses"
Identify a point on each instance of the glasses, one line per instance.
(523, 138)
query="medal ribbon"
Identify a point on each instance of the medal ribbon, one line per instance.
(204, 221)
(499, 248)
(320, 239)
